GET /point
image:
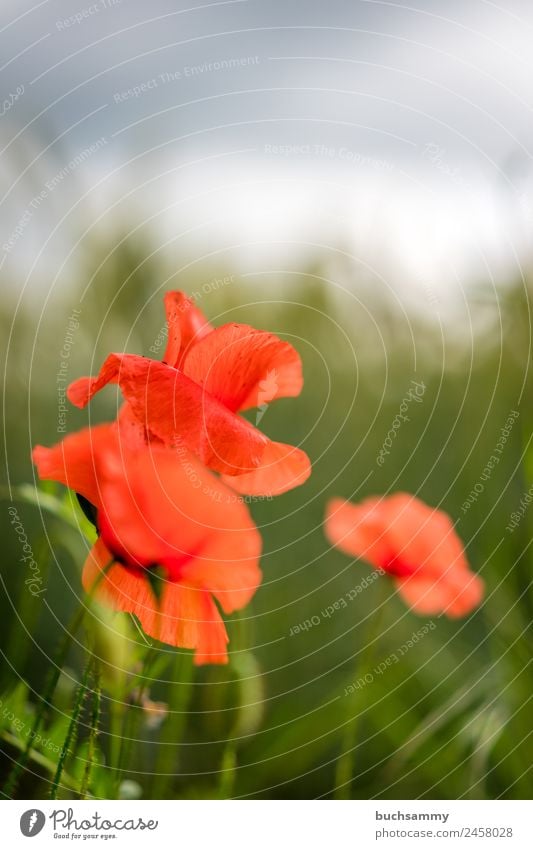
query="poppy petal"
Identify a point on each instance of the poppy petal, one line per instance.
(170, 510)
(243, 367)
(178, 412)
(455, 592)
(186, 325)
(132, 433)
(82, 390)
(422, 535)
(416, 544)
(357, 530)
(72, 461)
(187, 618)
(282, 468)
(227, 564)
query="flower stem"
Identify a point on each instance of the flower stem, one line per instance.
(13, 777)
(129, 717)
(228, 765)
(70, 737)
(95, 721)
(169, 747)
(228, 771)
(345, 762)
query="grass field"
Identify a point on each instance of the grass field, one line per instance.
(450, 716)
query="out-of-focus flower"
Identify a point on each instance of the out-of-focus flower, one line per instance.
(155, 713)
(415, 544)
(192, 398)
(177, 537)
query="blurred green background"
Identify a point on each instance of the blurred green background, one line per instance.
(453, 718)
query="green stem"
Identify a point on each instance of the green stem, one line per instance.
(228, 764)
(70, 737)
(228, 771)
(115, 735)
(129, 724)
(13, 777)
(167, 762)
(344, 766)
(95, 721)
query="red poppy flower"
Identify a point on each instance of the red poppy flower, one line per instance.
(415, 544)
(192, 398)
(161, 518)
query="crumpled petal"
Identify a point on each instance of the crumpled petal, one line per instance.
(186, 325)
(187, 617)
(282, 468)
(72, 461)
(194, 407)
(243, 367)
(82, 390)
(132, 433)
(177, 410)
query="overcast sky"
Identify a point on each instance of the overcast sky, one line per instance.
(359, 120)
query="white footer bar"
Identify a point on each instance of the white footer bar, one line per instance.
(269, 824)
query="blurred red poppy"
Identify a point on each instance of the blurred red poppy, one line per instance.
(192, 398)
(177, 537)
(415, 544)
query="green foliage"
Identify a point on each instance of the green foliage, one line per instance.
(444, 722)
